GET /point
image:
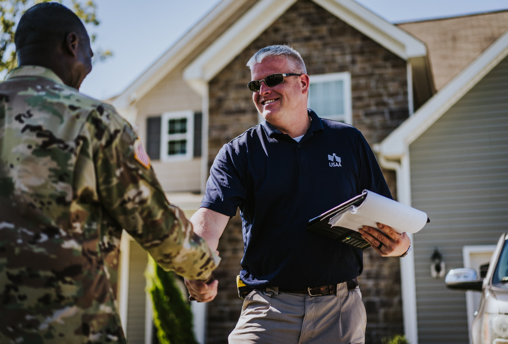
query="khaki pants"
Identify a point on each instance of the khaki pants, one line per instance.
(273, 317)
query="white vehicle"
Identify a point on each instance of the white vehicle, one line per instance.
(490, 325)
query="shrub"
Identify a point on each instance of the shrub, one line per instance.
(171, 312)
(397, 339)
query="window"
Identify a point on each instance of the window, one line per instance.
(330, 96)
(177, 136)
(174, 136)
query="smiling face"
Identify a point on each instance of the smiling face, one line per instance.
(283, 105)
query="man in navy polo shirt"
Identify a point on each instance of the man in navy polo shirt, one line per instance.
(280, 175)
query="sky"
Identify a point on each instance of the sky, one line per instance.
(140, 32)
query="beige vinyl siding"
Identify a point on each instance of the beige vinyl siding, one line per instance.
(136, 305)
(459, 176)
(179, 175)
(171, 94)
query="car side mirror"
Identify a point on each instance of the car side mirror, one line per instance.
(463, 279)
(483, 270)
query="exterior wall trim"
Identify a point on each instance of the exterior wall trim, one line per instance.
(204, 139)
(410, 101)
(234, 40)
(388, 35)
(395, 145)
(177, 53)
(148, 319)
(189, 136)
(123, 296)
(346, 78)
(407, 264)
(265, 12)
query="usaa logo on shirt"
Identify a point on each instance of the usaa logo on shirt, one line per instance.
(334, 160)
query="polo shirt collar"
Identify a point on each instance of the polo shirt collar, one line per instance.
(27, 71)
(315, 125)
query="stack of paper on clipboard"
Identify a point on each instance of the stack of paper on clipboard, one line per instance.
(367, 209)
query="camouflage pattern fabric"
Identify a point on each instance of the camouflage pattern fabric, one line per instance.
(69, 183)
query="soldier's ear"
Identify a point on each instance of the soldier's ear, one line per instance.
(72, 43)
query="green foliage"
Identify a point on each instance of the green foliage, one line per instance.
(12, 10)
(397, 339)
(171, 312)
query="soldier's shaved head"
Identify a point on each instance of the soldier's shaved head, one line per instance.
(51, 36)
(46, 25)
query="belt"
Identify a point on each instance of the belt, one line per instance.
(319, 291)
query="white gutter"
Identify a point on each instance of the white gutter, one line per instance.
(407, 264)
(124, 279)
(204, 137)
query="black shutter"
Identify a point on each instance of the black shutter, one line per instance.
(198, 124)
(153, 137)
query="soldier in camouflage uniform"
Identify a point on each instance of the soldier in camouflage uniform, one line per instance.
(72, 175)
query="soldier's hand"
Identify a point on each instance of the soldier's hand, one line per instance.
(202, 291)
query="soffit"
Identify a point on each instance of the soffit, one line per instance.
(265, 12)
(395, 145)
(453, 43)
(190, 45)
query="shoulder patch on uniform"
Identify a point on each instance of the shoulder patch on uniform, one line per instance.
(140, 154)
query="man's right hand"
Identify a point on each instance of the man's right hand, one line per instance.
(209, 225)
(202, 291)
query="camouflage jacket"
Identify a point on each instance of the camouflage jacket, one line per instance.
(72, 175)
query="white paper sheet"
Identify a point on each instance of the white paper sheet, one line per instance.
(376, 208)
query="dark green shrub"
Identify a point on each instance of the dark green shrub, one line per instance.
(171, 312)
(397, 339)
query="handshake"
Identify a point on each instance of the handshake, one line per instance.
(202, 291)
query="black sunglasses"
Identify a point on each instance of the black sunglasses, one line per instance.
(270, 81)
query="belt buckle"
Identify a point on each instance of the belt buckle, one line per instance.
(310, 293)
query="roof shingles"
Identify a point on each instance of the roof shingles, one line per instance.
(453, 43)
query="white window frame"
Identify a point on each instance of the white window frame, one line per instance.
(165, 137)
(347, 117)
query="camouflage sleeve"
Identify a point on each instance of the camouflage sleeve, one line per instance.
(132, 195)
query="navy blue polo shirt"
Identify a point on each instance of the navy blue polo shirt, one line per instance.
(279, 184)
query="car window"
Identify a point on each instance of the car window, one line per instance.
(500, 278)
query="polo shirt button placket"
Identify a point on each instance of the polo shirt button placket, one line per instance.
(303, 169)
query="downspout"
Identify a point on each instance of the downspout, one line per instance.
(204, 136)
(199, 309)
(124, 279)
(407, 266)
(410, 101)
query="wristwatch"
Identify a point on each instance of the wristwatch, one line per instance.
(407, 252)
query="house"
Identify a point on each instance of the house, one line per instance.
(194, 99)
(451, 160)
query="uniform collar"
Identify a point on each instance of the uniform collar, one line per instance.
(315, 125)
(25, 71)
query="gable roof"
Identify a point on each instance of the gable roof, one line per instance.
(215, 57)
(395, 145)
(455, 42)
(246, 19)
(191, 41)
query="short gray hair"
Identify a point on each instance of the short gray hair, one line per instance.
(278, 50)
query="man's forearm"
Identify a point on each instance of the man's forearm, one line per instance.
(209, 225)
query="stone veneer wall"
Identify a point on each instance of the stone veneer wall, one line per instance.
(380, 104)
